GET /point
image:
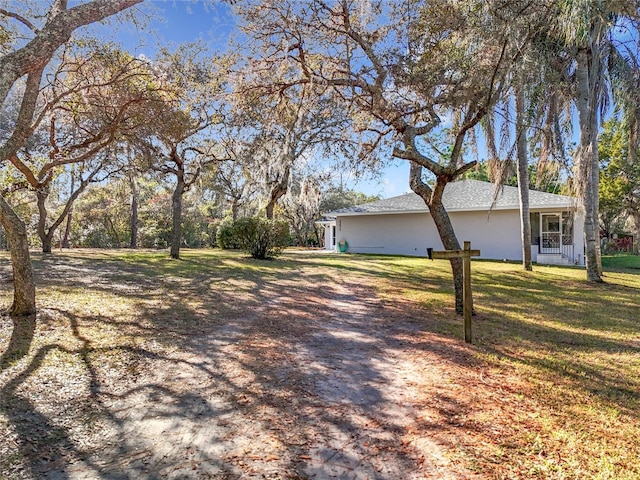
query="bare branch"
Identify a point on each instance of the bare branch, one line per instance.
(20, 18)
(39, 51)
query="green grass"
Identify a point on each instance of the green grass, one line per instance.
(618, 262)
(557, 360)
(576, 346)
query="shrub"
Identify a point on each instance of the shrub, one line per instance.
(225, 236)
(262, 238)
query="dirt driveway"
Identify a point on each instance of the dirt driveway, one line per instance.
(307, 382)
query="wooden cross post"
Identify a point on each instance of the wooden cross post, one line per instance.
(466, 255)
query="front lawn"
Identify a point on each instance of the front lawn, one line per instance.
(571, 351)
(548, 390)
(617, 262)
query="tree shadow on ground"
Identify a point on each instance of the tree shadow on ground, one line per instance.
(232, 372)
(587, 344)
(48, 439)
(21, 337)
(243, 372)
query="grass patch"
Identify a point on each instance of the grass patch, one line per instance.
(574, 345)
(552, 391)
(618, 262)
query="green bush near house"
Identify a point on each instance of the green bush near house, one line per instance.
(261, 237)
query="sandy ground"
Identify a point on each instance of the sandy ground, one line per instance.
(319, 385)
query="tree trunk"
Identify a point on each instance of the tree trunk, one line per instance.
(24, 290)
(269, 209)
(587, 159)
(176, 211)
(317, 235)
(277, 192)
(450, 242)
(636, 221)
(46, 243)
(234, 209)
(66, 243)
(595, 206)
(433, 200)
(523, 178)
(633, 207)
(134, 212)
(67, 230)
(45, 236)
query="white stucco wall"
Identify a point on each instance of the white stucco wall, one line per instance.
(497, 235)
(404, 234)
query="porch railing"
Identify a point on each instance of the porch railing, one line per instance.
(551, 243)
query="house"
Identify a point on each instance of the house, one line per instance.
(403, 226)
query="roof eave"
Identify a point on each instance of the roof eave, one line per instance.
(452, 210)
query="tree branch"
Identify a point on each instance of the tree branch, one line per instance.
(38, 52)
(20, 18)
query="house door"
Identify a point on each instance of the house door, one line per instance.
(550, 233)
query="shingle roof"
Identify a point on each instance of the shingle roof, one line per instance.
(463, 195)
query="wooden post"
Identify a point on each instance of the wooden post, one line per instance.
(466, 255)
(466, 289)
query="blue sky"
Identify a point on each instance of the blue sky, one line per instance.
(212, 21)
(176, 21)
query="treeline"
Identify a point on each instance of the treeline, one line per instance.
(127, 213)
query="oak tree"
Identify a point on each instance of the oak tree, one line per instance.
(180, 139)
(403, 70)
(28, 61)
